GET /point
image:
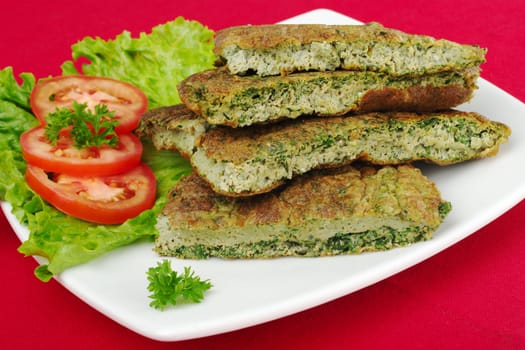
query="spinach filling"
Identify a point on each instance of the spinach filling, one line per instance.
(384, 238)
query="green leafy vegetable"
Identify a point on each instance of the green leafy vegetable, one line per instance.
(168, 166)
(14, 120)
(169, 288)
(10, 91)
(90, 128)
(63, 240)
(154, 62)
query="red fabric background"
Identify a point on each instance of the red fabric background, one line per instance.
(470, 296)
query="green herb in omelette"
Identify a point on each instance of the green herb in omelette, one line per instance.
(89, 128)
(169, 288)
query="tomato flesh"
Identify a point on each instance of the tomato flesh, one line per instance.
(127, 101)
(99, 199)
(64, 157)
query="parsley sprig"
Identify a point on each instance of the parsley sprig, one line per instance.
(89, 128)
(168, 287)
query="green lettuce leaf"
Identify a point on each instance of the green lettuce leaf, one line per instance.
(14, 120)
(168, 166)
(65, 241)
(155, 62)
(10, 91)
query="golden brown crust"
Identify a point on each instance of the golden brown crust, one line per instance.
(267, 36)
(167, 118)
(192, 200)
(414, 98)
(337, 193)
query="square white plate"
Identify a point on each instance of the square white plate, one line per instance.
(248, 292)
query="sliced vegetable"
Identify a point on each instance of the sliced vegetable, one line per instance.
(155, 62)
(64, 157)
(127, 101)
(99, 199)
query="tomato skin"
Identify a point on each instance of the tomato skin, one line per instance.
(65, 158)
(68, 196)
(126, 100)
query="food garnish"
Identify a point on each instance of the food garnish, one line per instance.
(77, 161)
(89, 128)
(99, 199)
(168, 287)
(64, 240)
(64, 157)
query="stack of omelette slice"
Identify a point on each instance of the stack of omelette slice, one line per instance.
(302, 141)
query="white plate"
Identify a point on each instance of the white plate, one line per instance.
(248, 292)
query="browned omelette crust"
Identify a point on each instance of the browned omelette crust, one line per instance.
(207, 92)
(402, 192)
(158, 124)
(273, 35)
(168, 117)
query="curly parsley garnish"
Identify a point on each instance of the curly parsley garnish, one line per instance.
(168, 287)
(89, 128)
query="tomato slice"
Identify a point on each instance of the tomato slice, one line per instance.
(126, 100)
(99, 199)
(66, 158)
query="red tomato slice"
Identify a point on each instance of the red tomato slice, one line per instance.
(100, 199)
(65, 158)
(126, 100)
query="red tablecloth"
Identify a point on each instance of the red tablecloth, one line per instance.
(470, 296)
